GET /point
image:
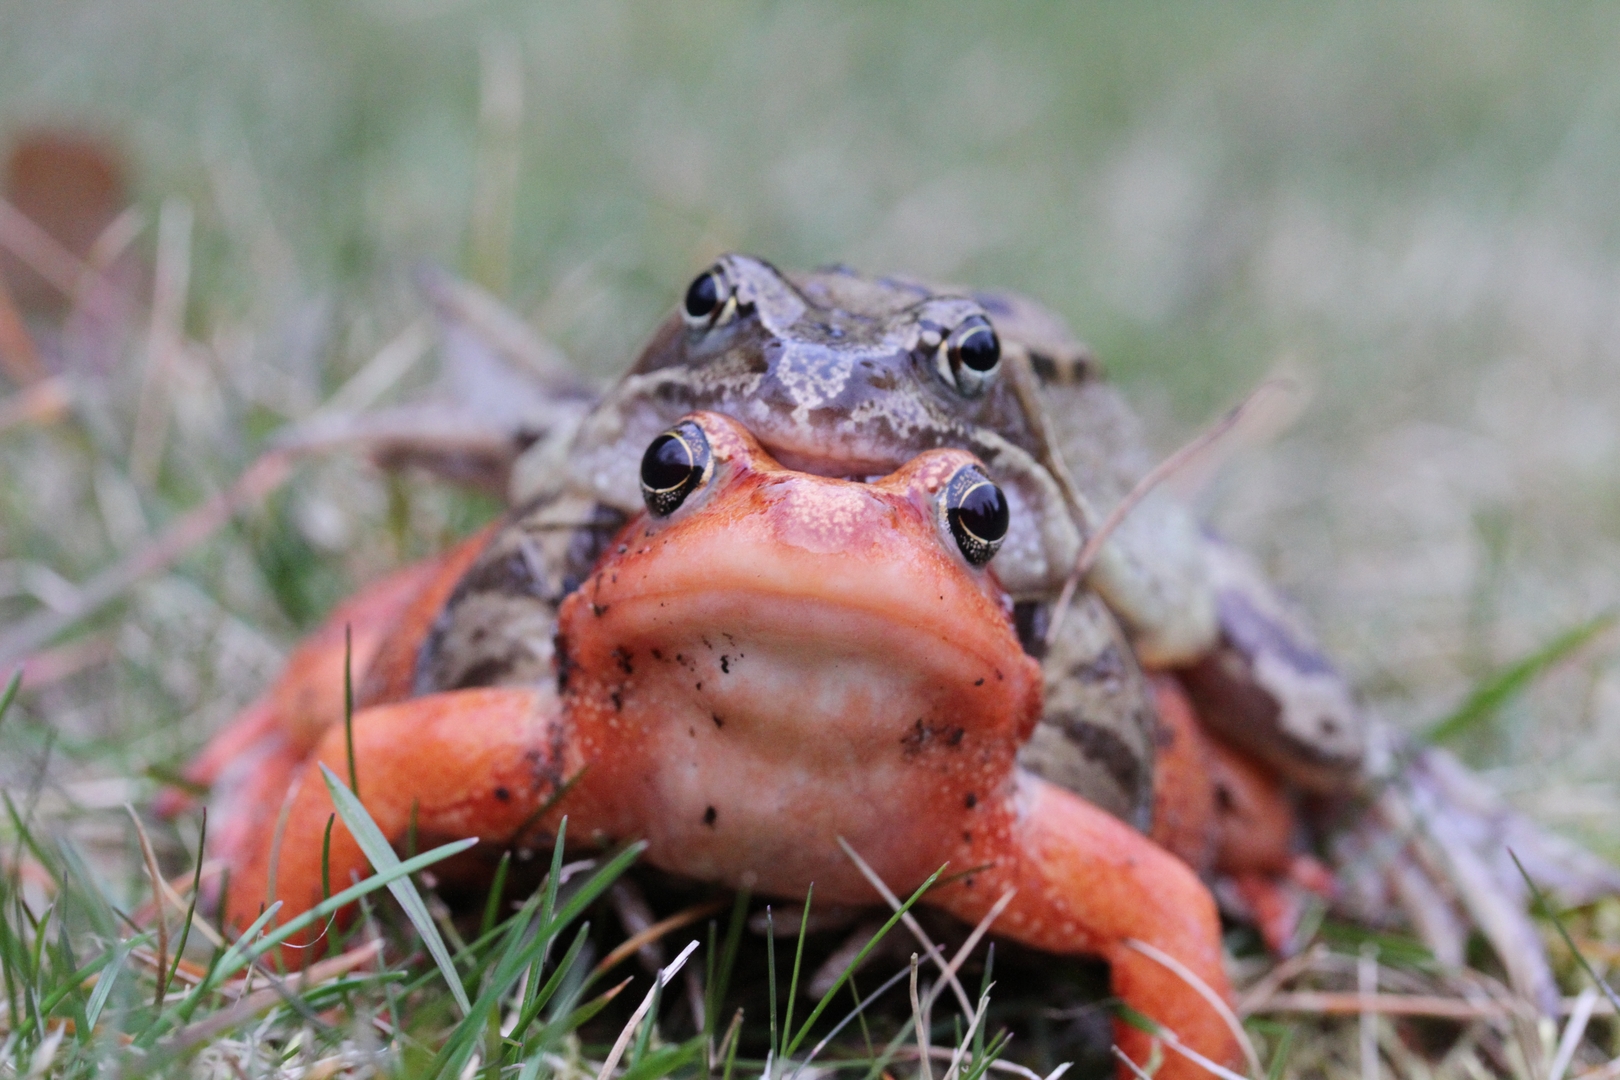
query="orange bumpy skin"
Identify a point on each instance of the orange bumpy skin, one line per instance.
(784, 661)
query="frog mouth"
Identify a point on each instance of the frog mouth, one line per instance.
(800, 609)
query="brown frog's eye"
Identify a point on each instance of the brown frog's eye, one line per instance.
(709, 298)
(976, 513)
(970, 356)
(675, 465)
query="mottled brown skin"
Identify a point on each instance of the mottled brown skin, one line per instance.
(784, 661)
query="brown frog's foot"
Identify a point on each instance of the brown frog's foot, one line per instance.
(1440, 846)
(468, 763)
(1086, 883)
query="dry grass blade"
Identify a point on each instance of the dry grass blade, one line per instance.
(1155, 476)
(152, 871)
(657, 930)
(1367, 1022)
(1573, 1031)
(262, 477)
(1203, 989)
(1352, 1003)
(170, 285)
(251, 1005)
(912, 925)
(41, 251)
(920, 1020)
(1125, 1060)
(973, 939)
(623, 1042)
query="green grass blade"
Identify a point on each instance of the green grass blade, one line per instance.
(104, 985)
(220, 970)
(826, 999)
(1500, 688)
(9, 694)
(383, 859)
(798, 960)
(1545, 908)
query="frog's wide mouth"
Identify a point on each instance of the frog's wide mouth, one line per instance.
(822, 568)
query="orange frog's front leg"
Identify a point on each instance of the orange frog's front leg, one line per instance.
(1088, 884)
(471, 763)
(248, 766)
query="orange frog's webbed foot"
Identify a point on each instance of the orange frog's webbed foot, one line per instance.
(468, 763)
(1086, 883)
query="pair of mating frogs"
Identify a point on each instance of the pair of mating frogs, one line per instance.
(797, 579)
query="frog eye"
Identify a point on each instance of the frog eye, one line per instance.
(709, 299)
(969, 358)
(975, 511)
(675, 465)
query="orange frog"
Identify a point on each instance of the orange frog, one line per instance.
(762, 664)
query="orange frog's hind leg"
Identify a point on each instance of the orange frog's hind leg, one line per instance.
(471, 763)
(248, 765)
(1089, 884)
(1226, 813)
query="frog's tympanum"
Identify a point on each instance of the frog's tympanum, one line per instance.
(767, 632)
(763, 663)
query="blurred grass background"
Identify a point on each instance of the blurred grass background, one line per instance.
(1409, 210)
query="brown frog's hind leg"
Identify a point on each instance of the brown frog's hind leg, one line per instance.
(473, 763)
(1411, 811)
(1086, 883)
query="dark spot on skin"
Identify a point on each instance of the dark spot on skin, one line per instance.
(999, 675)
(699, 686)
(656, 655)
(971, 801)
(618, 701)
(967, 837)
(565, 662)
(623, 658)
(1107, 666)
(599, 610)
(503, 795)
(979, 681)
(489, 672)
(725, 664)
(1103, 746)
(719, 723)
(708, 817)
(1225, 801)
(955, 737)
(692, 731)
(706, 644)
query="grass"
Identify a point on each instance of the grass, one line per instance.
(1408, 212)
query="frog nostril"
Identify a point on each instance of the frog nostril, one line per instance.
(674, 466)
(977, 514)
(704, 296)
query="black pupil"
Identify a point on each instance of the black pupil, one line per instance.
(984, 513)
(667, 464)
(703, 295)
(978, 346)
